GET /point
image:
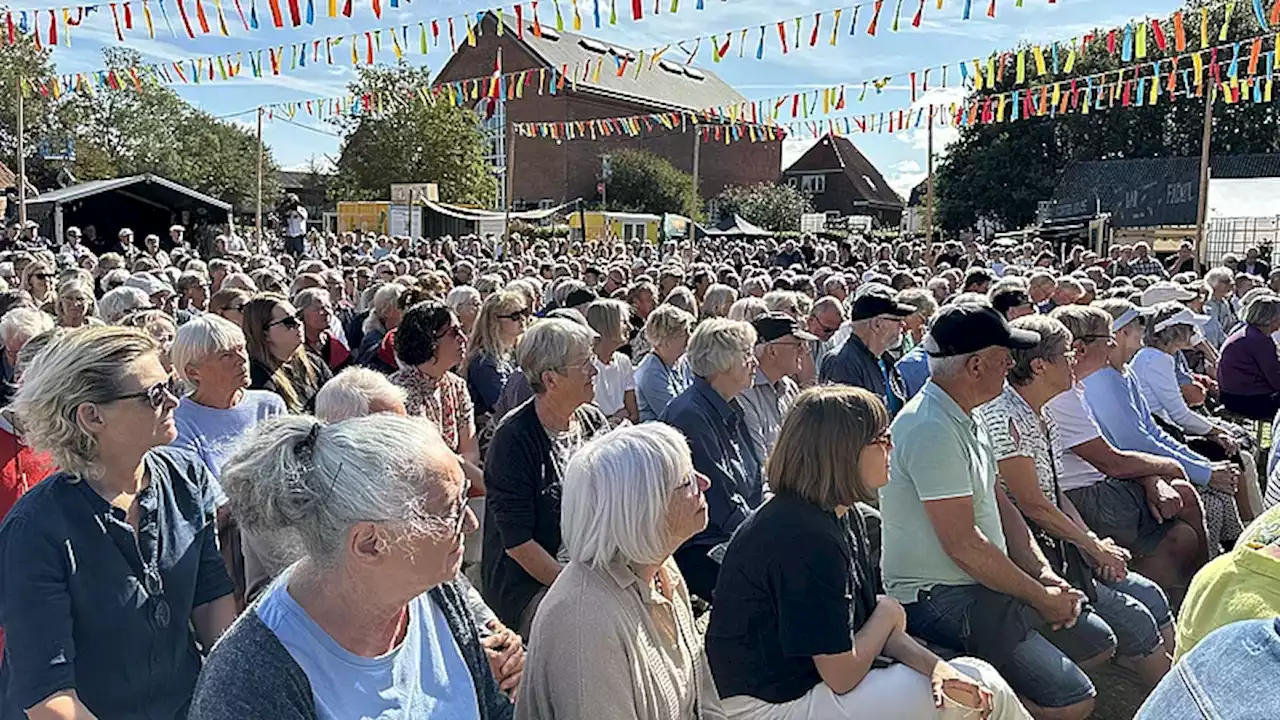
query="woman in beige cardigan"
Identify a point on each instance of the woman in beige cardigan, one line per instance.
(614, 639)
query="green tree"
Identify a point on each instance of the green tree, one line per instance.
(772, 206)
(23, 60)
(153, 130)
(1001, 171)
(644, 182)
(408, 139)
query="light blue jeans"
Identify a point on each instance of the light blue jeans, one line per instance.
(1230, 674)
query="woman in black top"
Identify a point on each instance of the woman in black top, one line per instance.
(110, 579)
(799, 631)
(278, 360)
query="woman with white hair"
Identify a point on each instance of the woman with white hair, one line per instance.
(118, 303)
(747, 309)
(615, 636)
(17, 327)
(660, 375)
(384, 316)
(722, 358)
(464, 301)
(615, 381)
(525, 466)
(356, 392)
(368, 622)
(74, 304)
(209, 354)
(125, 518)
(717, 301)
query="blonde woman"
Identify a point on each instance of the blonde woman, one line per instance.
(74, 305)
(503, 317)
(159, 326)
(37, 279)
(615, 384)
(125, 514)
(717, 301)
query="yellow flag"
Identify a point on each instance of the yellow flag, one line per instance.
(1040, 65)
(1141, 41)
(1022, 67)
(1197, 63)
(1071, 57)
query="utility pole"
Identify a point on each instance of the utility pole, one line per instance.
(1206, 142)
(510, 171)
(261, 154)
(697, 157)
(22, 164)
(928, 208)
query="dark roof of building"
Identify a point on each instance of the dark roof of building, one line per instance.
(292, 178)
(836, 153)
(1145, 192)
(157, 188)
(668, 85)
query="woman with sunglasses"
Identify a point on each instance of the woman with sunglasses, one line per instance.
(799, 630)
(37, 279)
(278, 361)
(369, 621)
(428, 344)
(228, 303)
(491, 358)
(110, 568)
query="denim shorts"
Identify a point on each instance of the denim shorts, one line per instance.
(1037, 669)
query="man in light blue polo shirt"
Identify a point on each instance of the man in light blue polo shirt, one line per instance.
(957, 553)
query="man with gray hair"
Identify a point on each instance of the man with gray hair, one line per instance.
(1220, 305)
(957, 553)
(779, 344)
(863, 360)
(356, 392)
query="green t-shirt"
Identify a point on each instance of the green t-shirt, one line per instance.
(939, 452)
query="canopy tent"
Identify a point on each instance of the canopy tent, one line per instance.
(475, 214)
(735, 226)
(147, 204)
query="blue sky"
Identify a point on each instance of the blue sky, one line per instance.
(943, 38)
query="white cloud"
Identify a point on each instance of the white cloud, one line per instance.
(905, 175)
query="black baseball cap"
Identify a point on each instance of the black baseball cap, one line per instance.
(966, 328)
(581, 296)
(875, 301)
(775, 326)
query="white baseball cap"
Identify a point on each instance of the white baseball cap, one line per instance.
(1165, 291)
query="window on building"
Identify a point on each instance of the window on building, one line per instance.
(794, 182)
(816, 184)
(494, 131)
(633, 231)
(546, 204)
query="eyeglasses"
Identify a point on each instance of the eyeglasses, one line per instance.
(585, 366)
(518, 316)
(458, 519)
(156, 394)
(43, 275)
(451, 331)
(290, 321)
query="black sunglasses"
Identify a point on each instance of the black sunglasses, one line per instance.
(156, 394)
(289, 321)
(518, 315)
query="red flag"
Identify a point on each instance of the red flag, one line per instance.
(295, 13)
(204, 21)
(782, 34)
(114, 17)
(186, 22)
(368, 47)
(53, 26)
(128, 17)
(1161, 41)
(537, 27)
(991, 9)
(875, 18)
(637, 12)
(1111, 42)
(915, 21)
(346, 9)
(10, 30)
(519, 21)
(277, 18)
(817, 23)
(377, 9)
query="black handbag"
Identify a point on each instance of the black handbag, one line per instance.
(1065, 557)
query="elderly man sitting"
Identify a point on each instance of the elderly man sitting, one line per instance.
(780, 344)
(957, 553)
(862, 361)
(721, 356)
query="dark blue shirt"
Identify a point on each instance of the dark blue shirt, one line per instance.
(854, 364)
(87, 607)
(722, 450)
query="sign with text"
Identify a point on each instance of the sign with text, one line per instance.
(406, 193)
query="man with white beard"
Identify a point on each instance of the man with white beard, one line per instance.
(877, 324)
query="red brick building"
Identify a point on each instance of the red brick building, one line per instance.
(549, 171)
(842, 180)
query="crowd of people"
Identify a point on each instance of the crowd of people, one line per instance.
(815, 479)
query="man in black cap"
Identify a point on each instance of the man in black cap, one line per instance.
(781, 342)
(863, 360)
(956, 552)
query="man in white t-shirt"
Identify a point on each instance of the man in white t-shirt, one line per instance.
(1143, 501)
(295, 225)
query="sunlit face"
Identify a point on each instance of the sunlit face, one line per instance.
(512, 322)
(317, 316)
(451, 343)
(575, 381)
(687, 509)
(226, 370)
(284, 331)
(75, 306)
(993, 365)
(132, 424)
(873, 462)
(741, 375)
(1058, 370)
